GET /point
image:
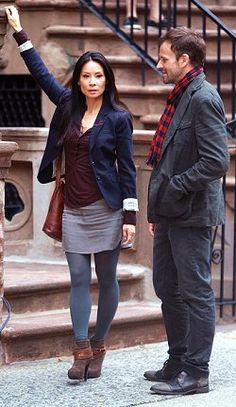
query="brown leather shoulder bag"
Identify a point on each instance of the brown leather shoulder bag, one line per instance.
(53, 222)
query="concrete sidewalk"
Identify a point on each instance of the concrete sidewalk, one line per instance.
(45, 383)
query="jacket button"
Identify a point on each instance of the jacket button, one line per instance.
(93, 163)
(98, 178)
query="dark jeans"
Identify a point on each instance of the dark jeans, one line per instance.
(182, 278)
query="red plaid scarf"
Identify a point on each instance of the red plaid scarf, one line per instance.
(164, 122)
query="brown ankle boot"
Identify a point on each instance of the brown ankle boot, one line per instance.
(99, 352)
(82, 357)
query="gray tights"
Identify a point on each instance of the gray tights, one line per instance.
(80, 300)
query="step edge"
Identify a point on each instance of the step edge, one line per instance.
(54, 286)
(74, 30)
(16, 333)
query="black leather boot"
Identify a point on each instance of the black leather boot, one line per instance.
(169, 369)
(183, 383)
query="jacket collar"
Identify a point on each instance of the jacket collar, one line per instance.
(102, 114)
(181, 109)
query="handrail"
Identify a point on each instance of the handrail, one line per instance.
(213, 17)
(120, 33)
(221, 26)
(8, 317)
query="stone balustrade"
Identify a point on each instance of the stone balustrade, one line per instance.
(3, 26)
(7, 149)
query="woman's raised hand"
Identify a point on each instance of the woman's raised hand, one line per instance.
(13, 18)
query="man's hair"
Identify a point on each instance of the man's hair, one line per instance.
(183, 40)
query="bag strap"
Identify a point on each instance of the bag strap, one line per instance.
(58, 169)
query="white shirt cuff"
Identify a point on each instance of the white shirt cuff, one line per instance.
(130, 204)
(27, 45)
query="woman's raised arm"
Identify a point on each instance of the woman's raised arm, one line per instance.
(32, 59)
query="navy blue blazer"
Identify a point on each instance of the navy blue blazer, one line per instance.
(110, 144)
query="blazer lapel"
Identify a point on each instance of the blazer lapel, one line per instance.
(180, 110)
(176, 120)
(103, 112)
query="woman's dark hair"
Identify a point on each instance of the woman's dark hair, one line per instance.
(183, 40)
(75, 106)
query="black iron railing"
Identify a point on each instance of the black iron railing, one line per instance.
(137, 40)
(223, 247)
(222, 33)
(170, 16)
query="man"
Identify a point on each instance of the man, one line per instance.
(189, 156)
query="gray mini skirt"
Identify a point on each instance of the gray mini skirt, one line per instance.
(91, 229)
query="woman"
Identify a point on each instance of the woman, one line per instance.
(94, 131)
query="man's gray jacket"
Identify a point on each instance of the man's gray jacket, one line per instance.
(185, 188)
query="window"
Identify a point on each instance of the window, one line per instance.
(20, 102)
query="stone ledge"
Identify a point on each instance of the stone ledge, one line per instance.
(35, 277)
(39, 287)
(7, 149)
(48, 334)
(38, 324)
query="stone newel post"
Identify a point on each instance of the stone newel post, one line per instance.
(3, 26)
(7, 149)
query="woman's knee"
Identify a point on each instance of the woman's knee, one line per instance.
(107, 281)
(106, 267)
(80, 270)
(79, 279)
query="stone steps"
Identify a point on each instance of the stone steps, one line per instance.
(47, 334)
(104, 40)
(76, 34)
(141, 100)
(150, 121)
(225, 68)
(37, 287)
(70, 8)
(150, 100)
(132, 68)
(76, 39)
(225, 12)
(40, 324)
(127, 70)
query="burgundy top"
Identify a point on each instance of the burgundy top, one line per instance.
(81, 188)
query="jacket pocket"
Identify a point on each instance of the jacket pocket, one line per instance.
(166, 202)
